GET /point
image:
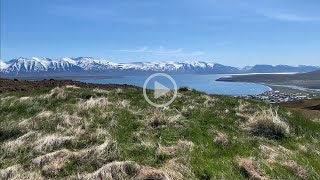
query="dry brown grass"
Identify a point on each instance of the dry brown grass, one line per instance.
(296, 169)
(57, 92)
(115, 171)
(45, 114)
(93, 103)
(72, 87)
(266, 122)
(25, 98)
(52, 163)
(221, 138)
(174, 169)
(10, 172)
(71, 123)
(275, 154)
(158, 119)
(69, 119)
(123, 104)
(251, 169)
(178, 169)
(7, 98)
(176, 120)
(209, 101)
(102, 133)
(51, 142)
(102, 91)
(181, 146)
(148, 173)
(141, 139)
(107, 150)
(119, 91)
(243, 106)
(16, 172)
(23, 140)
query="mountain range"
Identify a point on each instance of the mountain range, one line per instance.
(90, 66)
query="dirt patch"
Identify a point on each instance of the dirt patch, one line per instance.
(9, 85)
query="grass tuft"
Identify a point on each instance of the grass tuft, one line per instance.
(251, 169)
(267, 123)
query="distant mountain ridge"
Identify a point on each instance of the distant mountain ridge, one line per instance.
(279, 68)
(91, 66)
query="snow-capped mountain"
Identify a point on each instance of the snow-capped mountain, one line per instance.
(91, 66)
(39, 65)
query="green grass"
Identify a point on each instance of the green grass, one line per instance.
(132, 137)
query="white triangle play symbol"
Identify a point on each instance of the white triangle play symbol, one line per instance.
(160, 90)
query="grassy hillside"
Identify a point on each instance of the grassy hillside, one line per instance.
(78, 133)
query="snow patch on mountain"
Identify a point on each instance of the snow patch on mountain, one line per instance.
(3, 65)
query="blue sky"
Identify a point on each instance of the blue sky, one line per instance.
(231, 32)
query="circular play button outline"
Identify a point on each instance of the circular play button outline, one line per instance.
(162, 75)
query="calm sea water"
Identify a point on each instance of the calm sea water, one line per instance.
(203, 83)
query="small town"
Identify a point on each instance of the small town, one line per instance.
(280, 97)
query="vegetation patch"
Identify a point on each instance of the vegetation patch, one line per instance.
(74, 132)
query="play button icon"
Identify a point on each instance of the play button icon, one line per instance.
(160, 90)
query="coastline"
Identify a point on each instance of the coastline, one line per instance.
(303, 81)
(285, 94)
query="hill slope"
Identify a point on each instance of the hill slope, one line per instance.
(79, 133)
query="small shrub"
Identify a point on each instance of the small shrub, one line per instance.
(183, 89)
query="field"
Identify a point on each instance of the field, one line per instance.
(72, 132)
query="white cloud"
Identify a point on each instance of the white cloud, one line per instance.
(287, 16)
(163, 51)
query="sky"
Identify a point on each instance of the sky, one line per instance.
(230, 32)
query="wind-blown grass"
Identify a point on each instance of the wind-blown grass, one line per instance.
(76, 133)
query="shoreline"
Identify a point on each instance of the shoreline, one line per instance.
(284, 94)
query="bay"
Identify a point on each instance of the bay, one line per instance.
(203, 83)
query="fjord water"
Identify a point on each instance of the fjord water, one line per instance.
(203, 83)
